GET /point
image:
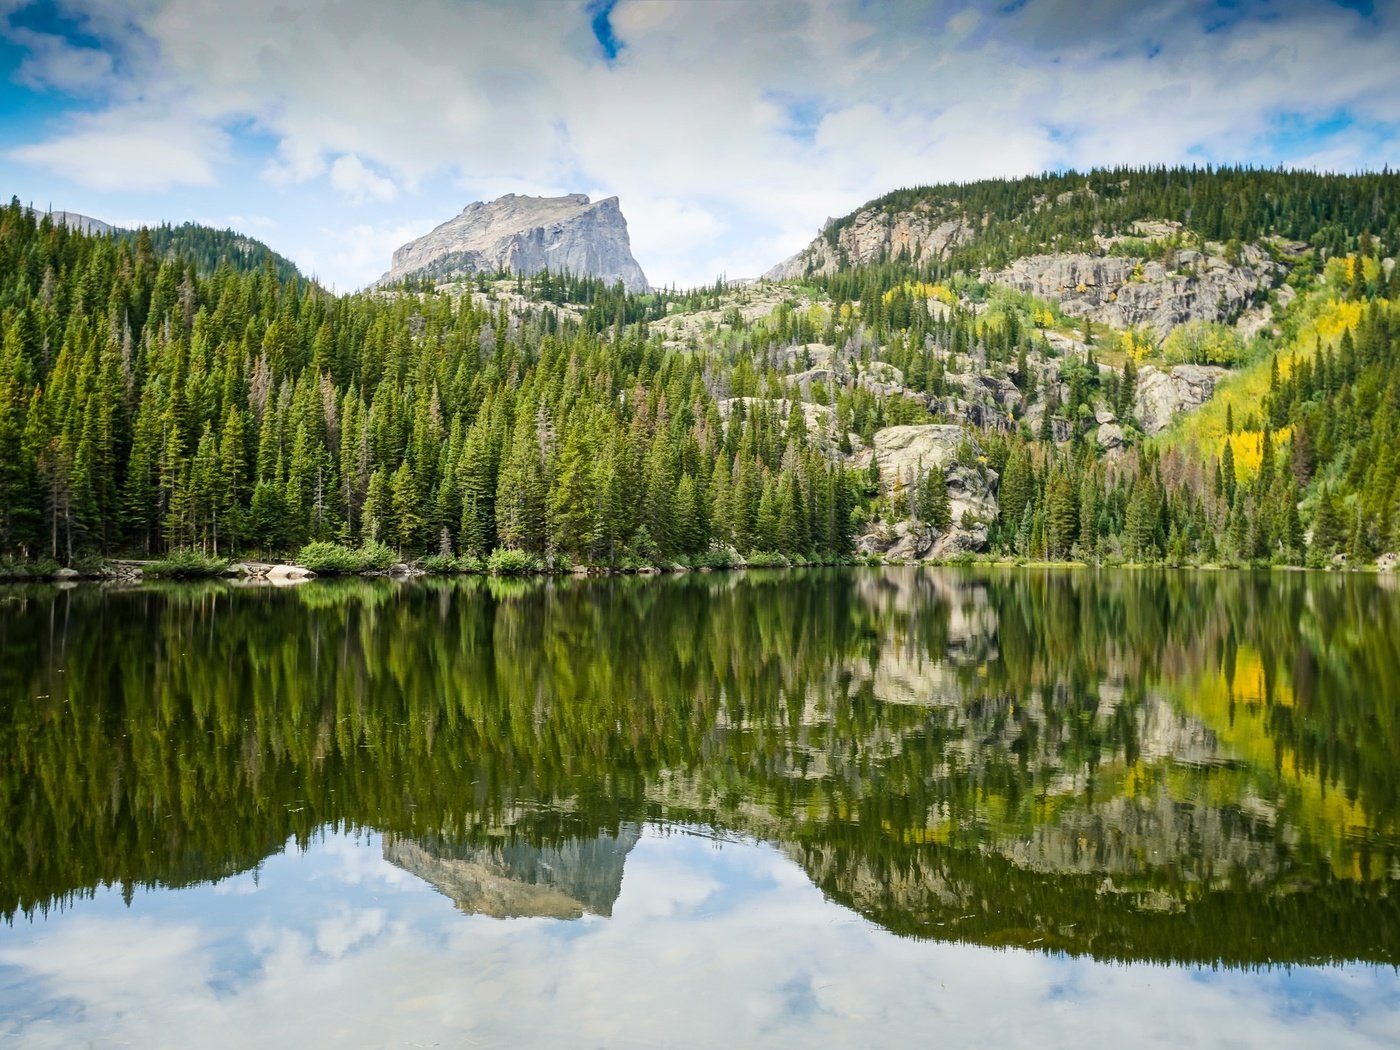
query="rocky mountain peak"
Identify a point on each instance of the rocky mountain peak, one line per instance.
(526, 235)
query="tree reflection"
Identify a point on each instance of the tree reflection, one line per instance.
(1134, 764)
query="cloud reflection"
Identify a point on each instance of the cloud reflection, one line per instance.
(708, 945)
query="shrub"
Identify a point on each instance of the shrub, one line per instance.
(333, 559)
(446, 564)
(16, 569)
(329, 559)
(507, 562)
(376, 557)
(184, 563)
(766, 560)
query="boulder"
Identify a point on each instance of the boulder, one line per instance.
(1109, 436)
(1159, 396)
(280, 575)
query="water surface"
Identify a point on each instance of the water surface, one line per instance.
(842, 807)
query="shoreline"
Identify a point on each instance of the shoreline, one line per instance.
(288, 572)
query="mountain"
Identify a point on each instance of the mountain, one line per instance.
(74, 221)
(526, 235)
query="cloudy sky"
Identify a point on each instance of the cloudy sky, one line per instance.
(335, 130)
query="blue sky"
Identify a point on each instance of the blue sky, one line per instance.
(338, 129)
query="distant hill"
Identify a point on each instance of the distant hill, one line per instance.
(74, 221)
(205, 246)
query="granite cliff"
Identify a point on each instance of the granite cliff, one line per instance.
(526, 235)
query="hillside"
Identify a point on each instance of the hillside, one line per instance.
(901, 405)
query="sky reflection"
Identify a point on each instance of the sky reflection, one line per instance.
(709, 944)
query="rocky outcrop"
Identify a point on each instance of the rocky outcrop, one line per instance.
(1160, 396)
(1125, 292)
(903, 454)
(873, 234)
(526, 235)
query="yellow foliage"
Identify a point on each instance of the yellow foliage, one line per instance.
(923, 290)
(1041, 317)
(1248, 447)
(1235, 710)
(1331, 320)
(1137, 344)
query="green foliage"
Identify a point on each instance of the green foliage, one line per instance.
(1203, 343)
(185, 563)
(331, 559)
(446, 564)
(506, 561)
(766, 560)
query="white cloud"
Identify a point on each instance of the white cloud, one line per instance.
(725, 127)
(130, 149)
(54, 63)
(349, 256)
(708, 946)
(357, 184)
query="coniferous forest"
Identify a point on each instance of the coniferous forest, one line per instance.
(161, 394)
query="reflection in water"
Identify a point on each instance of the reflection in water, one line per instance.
(1166, 766)
(512, 879)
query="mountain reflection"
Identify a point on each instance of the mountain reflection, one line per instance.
(1132, 765)
(509, 879)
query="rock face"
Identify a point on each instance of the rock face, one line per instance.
(1125, 292)
(873, 233)
(902, 453)
(526, 235)
(1161, 395)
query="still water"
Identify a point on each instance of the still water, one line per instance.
(835, 808)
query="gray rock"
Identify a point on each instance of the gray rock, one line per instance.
(1160, 396)
(526, 235)
(71, 219)
(1125, 292)
(1110, 436)
(873, 233)
(902, 453)
(66, 574)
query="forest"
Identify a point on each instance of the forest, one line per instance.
(163, 395)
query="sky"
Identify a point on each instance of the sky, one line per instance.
(337, 130)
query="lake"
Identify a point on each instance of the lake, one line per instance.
(863, 807)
